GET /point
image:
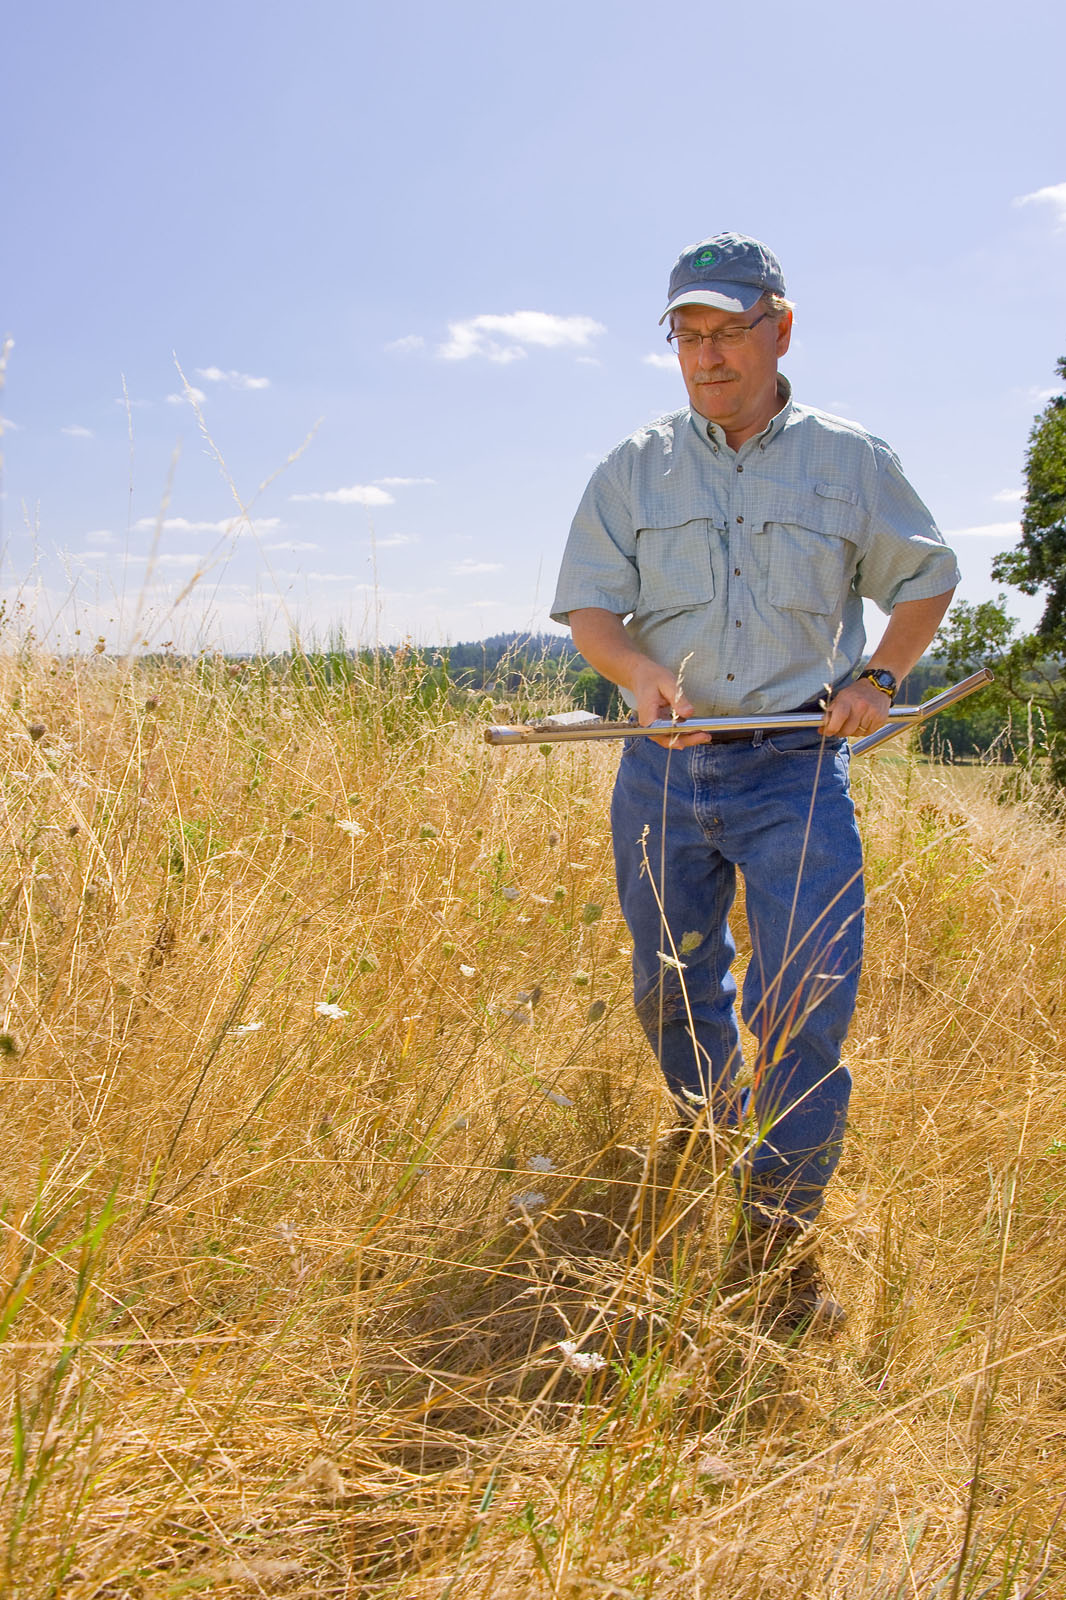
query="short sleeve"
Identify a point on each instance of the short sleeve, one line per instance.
(905, 556)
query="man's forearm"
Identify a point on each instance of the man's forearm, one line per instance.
(909, 633)
(604, 643)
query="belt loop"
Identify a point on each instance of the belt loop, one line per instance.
(757, 738)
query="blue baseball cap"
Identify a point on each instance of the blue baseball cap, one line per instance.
(729, 272)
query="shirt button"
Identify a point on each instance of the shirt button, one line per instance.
(736, 572)
(740, 519)
(740, 469)
(729, 677)
(739, 623)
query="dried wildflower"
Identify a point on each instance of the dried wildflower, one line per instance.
(523, 1015)
(10, 1045)
(715, 1469)
(540, 899)
(529, 997)
(245, 1028)
(557, 1098)
(671, 961)
(529, 1200)
(596, 1010)
(368, 962)
(583, 1361)
(460, 1123)
(690, 941)
(554, 839)
(325, 1008)
(428, 831)
(468, 972)
(36, 730)
(591, 913)
(323, 1476)
(581, 978)
(558, 893)
(354, 830)
(509, 893)
(541, 1164)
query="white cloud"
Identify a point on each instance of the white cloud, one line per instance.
(409, 342)
(986, 530)
(357, 494)
(194, 396)
(482, 336)
(466, 568)
(173, 558)
(226, 526)
(394, 541)
(1009, 496)
(293, 546)
(8, 426)
(233, 380)
(76, 431)
(403, 482)
(1053, 195)
(661, 358)
(588, 361)
(101, 535)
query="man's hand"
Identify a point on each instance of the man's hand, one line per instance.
(658, 697)
(859, 709)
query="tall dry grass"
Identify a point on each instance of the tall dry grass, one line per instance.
(283, 1310)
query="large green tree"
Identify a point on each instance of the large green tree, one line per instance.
(1030, 668)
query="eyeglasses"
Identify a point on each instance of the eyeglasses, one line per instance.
(727, 338)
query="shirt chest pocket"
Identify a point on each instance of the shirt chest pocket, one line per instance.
(676, 565)
(811, 548)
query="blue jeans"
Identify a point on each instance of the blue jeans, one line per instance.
(778, 808)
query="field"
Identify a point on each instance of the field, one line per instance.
(335, 1261)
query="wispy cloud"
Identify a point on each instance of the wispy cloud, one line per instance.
(1009, 496)
(986, 530)
(356, 494)
(227, 525)
(466, 568)
(394, 541)
(409, 342)
(401, 483)
(1053, 195)
(76, 431)
(232, 380)
(292, 546)
(661, 358)
(191, 396)
(507, 338)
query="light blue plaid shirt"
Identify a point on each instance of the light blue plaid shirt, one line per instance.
(745, 571)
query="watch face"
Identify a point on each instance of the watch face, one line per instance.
(883, 678)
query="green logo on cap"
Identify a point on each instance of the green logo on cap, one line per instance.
(706, 258)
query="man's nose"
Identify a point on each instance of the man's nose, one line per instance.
(709, 354)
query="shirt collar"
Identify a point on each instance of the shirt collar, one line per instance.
(716, 435)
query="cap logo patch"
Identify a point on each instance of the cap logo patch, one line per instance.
(706, 258)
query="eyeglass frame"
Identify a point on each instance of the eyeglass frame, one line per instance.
(734, 334)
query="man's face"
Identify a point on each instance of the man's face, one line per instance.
(735, 387)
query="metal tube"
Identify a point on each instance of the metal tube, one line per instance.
(900, 719)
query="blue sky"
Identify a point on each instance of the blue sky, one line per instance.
(410, 263)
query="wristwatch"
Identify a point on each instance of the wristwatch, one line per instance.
(881, 679)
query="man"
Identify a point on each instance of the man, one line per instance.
(739, 537)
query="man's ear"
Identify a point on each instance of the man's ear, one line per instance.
(784, 333)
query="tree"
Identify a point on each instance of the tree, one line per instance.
(1029, 667)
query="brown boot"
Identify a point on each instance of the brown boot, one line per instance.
(772, 1274)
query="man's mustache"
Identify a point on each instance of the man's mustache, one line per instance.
(712, 377)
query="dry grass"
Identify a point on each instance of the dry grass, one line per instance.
(272, 1319)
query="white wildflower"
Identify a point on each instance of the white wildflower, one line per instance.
(671, 961)
(541, 1164)
(581, 1360)
(529, 1200)
(354, 830)
(509, 894)
(245, 1028)
(468, 972)
(558, 1099)
(325, 1008)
